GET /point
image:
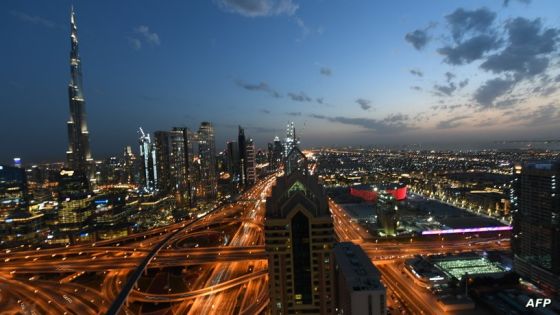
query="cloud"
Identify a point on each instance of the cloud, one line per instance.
(463, 83)
(389, 125)
(464, 21)
(320, 100)
(451, 123)
(135, 43)
(557, 78)
(418, 38)
(469, 50)
(258, 8)
(395, 118)
(143, 35)
(265, 111)
(326, 71)
(486, 94)
(364, 104)
(148, 36)
(449, 76)
(33, 19)
(542, 115)
(416, 72)
(506, 2)
(416, 87)
(527, 51)
(299, 97)
(445, 89)
(262, 86)
(295, 114)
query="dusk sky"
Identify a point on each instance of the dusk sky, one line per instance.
(345, 71)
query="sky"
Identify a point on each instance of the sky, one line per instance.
(347, 72)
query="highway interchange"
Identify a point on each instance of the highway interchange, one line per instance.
(220, 255)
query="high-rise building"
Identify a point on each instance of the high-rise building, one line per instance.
(148, 178)
(242, 155)
(232, 158)
(207, 156)
(536, 224)
(275, 153)
(359, 290)
(291, 138)
(251, 163)
(75, 201)
(78, 154)
(13, 190)
(299, 237)
(172, 161)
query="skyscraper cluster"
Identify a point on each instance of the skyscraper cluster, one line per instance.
(181, 162)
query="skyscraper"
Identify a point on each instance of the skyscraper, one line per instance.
(299, 238)
(207, 155)
(242, 156)
(251, 162)
(536, 224)
(78, 154)
(291, 139)
(172, 160)
(148, 178)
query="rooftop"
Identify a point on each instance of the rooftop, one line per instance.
(358, 271)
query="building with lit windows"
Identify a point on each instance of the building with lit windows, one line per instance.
(148, 177)
(299, 237)
(251, 162)
(75, 201)
(173, 150)
(536, 224)
(207, 156)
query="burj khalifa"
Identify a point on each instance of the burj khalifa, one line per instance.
(79, 153)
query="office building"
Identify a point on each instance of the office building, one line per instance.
(13, 190)
(359, 290)
(207, 156)
(172, 162)
(241, 141)
(148, 177)
(536, 224)
(251, 162)
(78, 154)
(232, 162)
(299, 238)
(75, 201)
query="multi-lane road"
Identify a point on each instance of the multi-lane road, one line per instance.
(220, 256)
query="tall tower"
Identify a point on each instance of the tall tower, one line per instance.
(207, 155)
(299, 237)
(242, 156)
(78, 154)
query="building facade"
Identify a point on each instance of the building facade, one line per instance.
(536, 224)
(207, 156)
(299, 237)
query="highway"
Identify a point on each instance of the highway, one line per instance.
(212, 265)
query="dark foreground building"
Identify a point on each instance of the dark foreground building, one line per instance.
(299, 238)
(536, 238)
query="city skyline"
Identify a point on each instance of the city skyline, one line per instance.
(453, 72)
